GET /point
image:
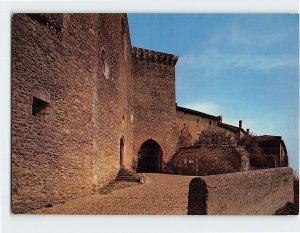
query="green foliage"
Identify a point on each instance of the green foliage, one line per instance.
(214, 138)
(250, 145)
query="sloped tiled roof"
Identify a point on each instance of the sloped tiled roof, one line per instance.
(231, 127)
(197, 113)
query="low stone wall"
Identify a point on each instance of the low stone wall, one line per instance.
(259, 192)
(206, 160)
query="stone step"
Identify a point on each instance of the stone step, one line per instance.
(126, 172)
(128, 179)
(137, 176)
(127, 175)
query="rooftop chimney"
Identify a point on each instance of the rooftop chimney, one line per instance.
(240, 124)
(248, 131)
(220, 119)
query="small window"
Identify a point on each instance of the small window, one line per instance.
(123, 122)
(209, 122)
(39, 106)
(131, 116)
(104, 64)
(197, 121)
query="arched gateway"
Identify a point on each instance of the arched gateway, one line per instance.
(149, 157)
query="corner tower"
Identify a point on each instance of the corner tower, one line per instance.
(154, 109)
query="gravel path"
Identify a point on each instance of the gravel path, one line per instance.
(162, 194)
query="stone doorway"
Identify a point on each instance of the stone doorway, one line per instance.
(122, 144)
(149, 157)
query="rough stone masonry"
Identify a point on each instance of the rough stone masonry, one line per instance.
(259, 192)
(71, 105)
(85, 104)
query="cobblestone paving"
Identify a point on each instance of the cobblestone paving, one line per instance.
(162, 194)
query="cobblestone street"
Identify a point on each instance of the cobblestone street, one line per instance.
(162, 194)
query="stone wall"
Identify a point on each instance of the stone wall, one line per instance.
(206, 160)
(154, 101)
(259, 192)
(71, 104)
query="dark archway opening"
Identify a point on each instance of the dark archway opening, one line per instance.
(122, 143)
(149, 157)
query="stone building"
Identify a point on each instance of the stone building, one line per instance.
(190, 123)
(85, 104)
(273, 150)
(208, 146)
(72, 105)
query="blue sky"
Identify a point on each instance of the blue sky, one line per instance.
(240, 66)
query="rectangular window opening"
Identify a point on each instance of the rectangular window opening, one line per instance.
(39, 106)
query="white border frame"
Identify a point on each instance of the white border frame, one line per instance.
(61, 223)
